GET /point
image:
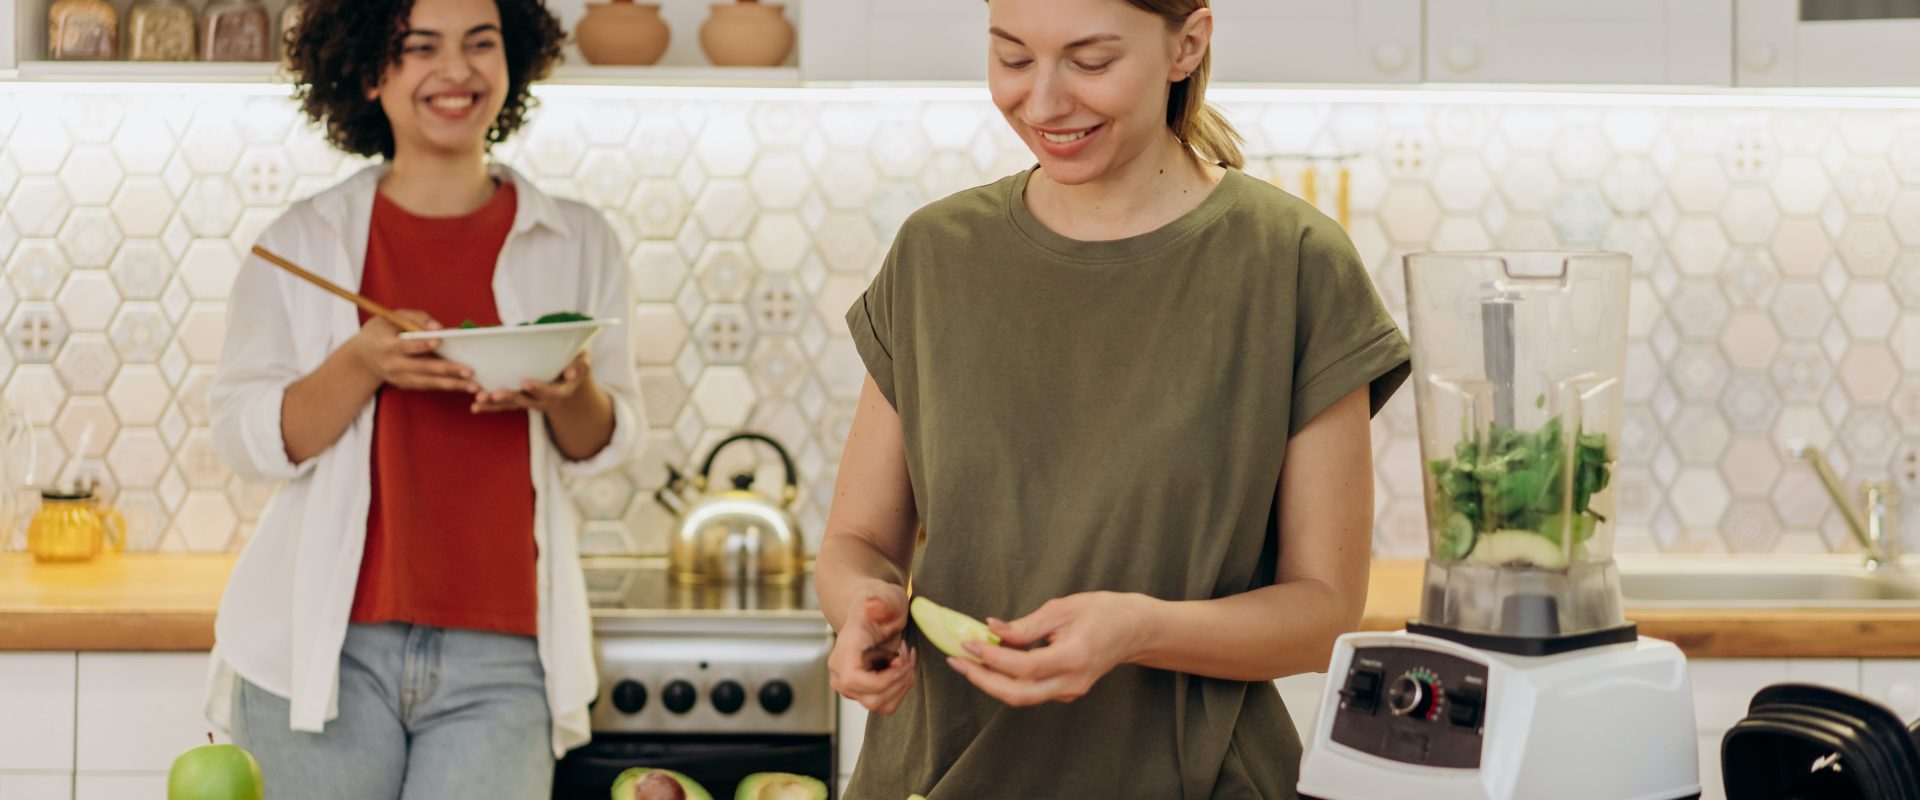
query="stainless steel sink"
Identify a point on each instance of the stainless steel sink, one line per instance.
(1764, 582)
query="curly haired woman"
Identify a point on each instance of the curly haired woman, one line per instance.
(410, 620)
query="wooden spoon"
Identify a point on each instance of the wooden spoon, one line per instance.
(371, 307)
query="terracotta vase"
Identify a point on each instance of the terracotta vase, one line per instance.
(623, 33)
(747, 34)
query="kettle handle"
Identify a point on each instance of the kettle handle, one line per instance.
(793, 477)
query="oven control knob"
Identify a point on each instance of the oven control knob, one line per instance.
(776, 697)
(678, 697)
(728, 697)
(629, 697)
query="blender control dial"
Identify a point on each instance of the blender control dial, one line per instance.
(1415, 694)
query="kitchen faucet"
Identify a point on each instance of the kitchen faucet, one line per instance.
(1878, 530)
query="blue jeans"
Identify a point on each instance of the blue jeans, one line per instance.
(425, 714)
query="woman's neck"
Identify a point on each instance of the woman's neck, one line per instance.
(434, 185)
(1138, 196)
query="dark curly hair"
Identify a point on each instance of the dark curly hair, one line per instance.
(341, 48)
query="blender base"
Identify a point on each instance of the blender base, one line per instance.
(1408, 715)
(1530, 645)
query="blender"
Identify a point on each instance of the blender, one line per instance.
(1522, 678)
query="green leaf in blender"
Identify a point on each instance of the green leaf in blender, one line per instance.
(1509, 482)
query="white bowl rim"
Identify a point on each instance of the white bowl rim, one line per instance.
(500, 330)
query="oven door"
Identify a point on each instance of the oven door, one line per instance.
(717, 761)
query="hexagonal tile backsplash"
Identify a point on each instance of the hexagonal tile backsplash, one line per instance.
(1778, 288)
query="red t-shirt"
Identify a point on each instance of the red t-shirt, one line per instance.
(450, 531)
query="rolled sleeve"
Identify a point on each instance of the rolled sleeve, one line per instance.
(1345, 339)
(612, 353)
(258, 361)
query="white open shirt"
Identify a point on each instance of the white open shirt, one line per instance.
(284, 615)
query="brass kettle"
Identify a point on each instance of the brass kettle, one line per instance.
(736, 536)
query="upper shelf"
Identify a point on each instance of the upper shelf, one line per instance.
(271, 73)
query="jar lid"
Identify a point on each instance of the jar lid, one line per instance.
(66, 494)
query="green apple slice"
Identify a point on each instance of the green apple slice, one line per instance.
(948, 629)
(1518, 547)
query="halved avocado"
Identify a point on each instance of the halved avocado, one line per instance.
(780, 786)
(948, 629)
(645, 783)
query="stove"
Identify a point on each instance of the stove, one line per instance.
(717, 682)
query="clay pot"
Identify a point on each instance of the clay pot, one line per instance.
(747, 34)
(623, 33)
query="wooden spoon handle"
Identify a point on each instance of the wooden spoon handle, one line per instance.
(371, 307)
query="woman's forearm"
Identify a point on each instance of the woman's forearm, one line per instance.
(848, 562)
(1268, 633)
(583, 426)
(317, 409)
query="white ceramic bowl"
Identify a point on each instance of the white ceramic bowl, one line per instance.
(503, 357)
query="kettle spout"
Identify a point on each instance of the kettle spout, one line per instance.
(671, 495)
(670, 501)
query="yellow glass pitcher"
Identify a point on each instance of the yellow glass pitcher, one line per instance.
(73, 526)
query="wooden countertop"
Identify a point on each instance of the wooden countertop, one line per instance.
(167, 602)
(1393, 598)
(123, 602)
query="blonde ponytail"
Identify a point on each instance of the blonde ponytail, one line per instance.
(1197, 123)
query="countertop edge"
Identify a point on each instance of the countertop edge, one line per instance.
(74, 621)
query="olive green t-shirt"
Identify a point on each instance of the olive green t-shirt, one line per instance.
(1085, 416)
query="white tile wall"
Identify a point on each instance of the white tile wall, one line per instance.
(1778, 292)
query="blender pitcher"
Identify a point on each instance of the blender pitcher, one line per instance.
(1517, 365)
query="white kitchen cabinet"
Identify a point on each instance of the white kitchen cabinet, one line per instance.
(36, 786)
(891, 40)
(137, 711)
(1894, 683)
(36, 729)
(10, 37)
(1722, 688)
(1362, 41)
(1580, 41)
(1826, 43)
(1302, 694)
(1312, 41)
(852, 731)
(119, 787)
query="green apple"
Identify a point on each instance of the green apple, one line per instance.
(215, 772)
(948, 629)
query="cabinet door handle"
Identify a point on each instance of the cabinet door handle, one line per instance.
(1760, 57)
(1390, 57)
(1463, 57)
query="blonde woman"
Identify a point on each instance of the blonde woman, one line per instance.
(1127, 393)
